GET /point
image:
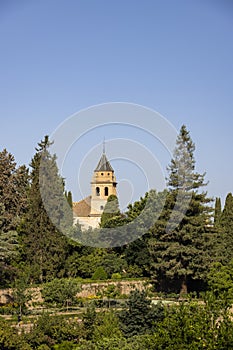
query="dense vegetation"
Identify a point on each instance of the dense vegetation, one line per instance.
(139, 325)
(188, 249)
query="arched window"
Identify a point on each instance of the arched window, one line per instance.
(97, 191)
(101, 207)
(106, 191)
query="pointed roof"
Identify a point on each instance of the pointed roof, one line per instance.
(104, 164)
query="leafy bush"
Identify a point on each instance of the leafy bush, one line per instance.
(107, 326)
(65, 345)
(9, 338)
(116, 276)
(99, 274)
(60, 291)
(220, 280)
(51, 330)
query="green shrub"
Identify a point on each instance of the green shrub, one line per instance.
(99, 274)
(116, 276)
(60, 291)
(65, 345)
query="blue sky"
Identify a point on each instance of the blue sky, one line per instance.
(176, 57)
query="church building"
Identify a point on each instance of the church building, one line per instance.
(89, 210)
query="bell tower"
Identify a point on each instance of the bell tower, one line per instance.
(103, 184)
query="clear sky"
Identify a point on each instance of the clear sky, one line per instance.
(176, 57)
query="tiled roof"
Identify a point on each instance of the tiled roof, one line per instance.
(104, 164)
(83, 207)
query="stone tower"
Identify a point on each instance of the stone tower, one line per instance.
(103, 184)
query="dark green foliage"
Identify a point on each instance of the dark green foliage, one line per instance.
(51, 187)
(217, 211)
(180, 246)
(13, 187)
(188, 325)
(89, 319)
(69, 199)
(8, 245)
(99, 274)
(115, 343)
(10, 340)
(176, 251)
(138, 257)
(220, 280)
(134, 210)
(13, 204)
(44, 246)
(74, 232)
(83, 261)
(51, 330)
(112, 263)
(138, 219)
(60, 291)
(220, 277)
(79, 265)
(140, 316)
(194, 326)
(111, 210)
(106, 326)
(8, 240)
(111, 291)
(116, 276)
(122, 230)
(65, 345)
(114, 221)
(226, 230)
(136, 226)
(21, 291)
(136, 253)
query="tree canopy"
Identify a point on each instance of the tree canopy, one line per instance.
(179, 246)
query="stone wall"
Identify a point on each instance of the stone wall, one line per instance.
(125, 287)
(87, 290)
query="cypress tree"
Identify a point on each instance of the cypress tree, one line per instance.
(179, 245)
(217, 211)
(69, 199)
(226, 229)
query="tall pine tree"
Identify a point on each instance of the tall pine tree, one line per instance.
(8, 240)
(13, 187)
(179, 245)
(44, 246)
(13, 204)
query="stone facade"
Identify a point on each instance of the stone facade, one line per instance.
(89, 210)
